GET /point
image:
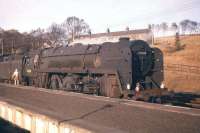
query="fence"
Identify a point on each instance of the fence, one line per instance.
(186, 69)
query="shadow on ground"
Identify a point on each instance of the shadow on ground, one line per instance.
(7, 127)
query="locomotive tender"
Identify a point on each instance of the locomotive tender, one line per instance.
(109, 69)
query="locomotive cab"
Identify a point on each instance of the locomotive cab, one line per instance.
(28, 67)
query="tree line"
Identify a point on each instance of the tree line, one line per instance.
(59, 34)
(56, 34)
(73, 27)
(184, 27)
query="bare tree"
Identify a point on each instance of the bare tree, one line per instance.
(37, 33)
(56, 34)
(188, 26)
(75, 27)
(11, 40)
(183, 26)
(198, 28)
(164, 27)
(174, 27)
(37, 38)
(156, 28)
(192, 26)
(150, 26)
(1, 30)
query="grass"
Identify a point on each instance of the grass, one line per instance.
(189, 54)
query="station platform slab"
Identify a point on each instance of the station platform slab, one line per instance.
(86, 113)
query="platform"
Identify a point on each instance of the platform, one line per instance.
(41, 110)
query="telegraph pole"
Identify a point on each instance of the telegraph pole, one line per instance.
(1, 40)
(73, 29)
(12, 50)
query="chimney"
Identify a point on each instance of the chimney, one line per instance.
(108, 30)
(127, 28)
(90, 33)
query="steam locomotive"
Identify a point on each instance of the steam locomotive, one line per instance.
(110, 69)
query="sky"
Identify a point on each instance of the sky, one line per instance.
(25, 15)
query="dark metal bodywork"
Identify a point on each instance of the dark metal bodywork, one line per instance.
(110, 61)
(112, 65)
(107, 69)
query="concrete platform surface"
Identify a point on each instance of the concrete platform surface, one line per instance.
(101, 114)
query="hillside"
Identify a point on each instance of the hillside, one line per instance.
(185, 76)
